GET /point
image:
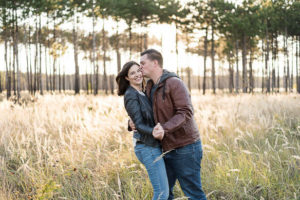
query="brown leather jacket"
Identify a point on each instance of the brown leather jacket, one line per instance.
(172, 108)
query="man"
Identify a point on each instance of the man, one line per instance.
(178, 132)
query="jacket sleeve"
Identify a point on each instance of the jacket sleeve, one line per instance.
(182, 106)
(134, 111)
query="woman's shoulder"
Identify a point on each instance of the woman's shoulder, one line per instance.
(130, 93)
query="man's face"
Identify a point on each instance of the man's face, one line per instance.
(147, 65)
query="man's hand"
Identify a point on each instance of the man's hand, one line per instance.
(158, 132)
(131, 124)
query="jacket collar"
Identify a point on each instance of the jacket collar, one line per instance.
(166, 74)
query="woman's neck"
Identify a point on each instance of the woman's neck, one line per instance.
(137, 87)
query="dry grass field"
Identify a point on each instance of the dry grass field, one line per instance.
(78, 147)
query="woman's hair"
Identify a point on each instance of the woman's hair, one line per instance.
(123, 84)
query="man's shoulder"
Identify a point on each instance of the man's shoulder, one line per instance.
(174, 81)
(174, 78)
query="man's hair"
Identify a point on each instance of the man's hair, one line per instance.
(153, 54)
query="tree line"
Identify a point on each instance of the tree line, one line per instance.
(267, 31)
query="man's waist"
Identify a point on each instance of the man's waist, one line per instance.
(170, 143)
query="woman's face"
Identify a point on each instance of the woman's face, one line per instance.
(135, 76)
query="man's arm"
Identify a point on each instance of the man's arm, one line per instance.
(181, 104)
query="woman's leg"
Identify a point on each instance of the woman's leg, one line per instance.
(150, 157)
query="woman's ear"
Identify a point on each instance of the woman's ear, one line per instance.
(126, 78)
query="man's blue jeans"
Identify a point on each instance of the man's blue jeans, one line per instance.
(184, 164)
(155, 165)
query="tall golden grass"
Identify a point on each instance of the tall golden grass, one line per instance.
(78, 147)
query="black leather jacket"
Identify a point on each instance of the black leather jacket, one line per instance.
(140, 111)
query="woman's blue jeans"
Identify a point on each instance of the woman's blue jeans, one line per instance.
(155, 165)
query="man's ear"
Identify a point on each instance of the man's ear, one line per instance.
(155, 62)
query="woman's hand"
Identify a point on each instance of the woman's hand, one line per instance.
(158, 132)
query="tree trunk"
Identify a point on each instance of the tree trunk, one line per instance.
(64, 81)
(0, 82)
(251, 80)
(176, 49)
(231, 85)
(11, 61)
(298, 65)
(273, 64)
(278, 77)
(40, 43)
(130, 41)
(27, 59)
(112, 83)
(244, 60)
(118, 49)
(8, 75)
(262, 69)
(46, 68)
(213, 73)
(237, 67)
(292, 71)
(87, 80)
(287, 65)
(267, 62)
(30, 63)
(54, 57)
(96, 82)
(105, 85)
(17, 56)
(59, 76)
(91, 79)
(205, 57)
(14, 55)
(145, 40)
(93, 50)
(36, 58)
(77, 80)
(188, 71)
(46, 60)
(140, 42)
(286, 61)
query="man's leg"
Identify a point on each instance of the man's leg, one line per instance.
(169, 162)
(187, 167)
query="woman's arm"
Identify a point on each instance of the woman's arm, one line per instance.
(133, 109)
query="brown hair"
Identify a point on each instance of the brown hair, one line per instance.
(153, 54)
(123, 84)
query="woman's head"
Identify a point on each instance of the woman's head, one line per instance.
(129, 75)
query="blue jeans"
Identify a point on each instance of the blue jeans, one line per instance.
(184, 164)
(156, 169)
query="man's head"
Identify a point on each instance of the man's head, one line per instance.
(151, 62)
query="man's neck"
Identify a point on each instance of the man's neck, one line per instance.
(156, 76)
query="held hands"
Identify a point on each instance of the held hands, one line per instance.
(131, 124)
(158, 132)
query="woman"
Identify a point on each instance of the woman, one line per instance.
(138, 107)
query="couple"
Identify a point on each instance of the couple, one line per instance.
(163, 121)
